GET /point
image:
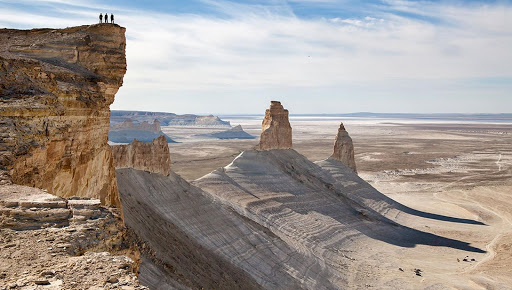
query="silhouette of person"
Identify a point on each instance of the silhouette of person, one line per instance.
(101, 18)
(106, 17)
(111, 18)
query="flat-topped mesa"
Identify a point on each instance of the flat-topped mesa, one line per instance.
(276, 132)
(344, 149)
(153, 157)
(144, 126)
(56, 87)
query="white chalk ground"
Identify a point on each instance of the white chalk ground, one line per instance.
(458, 169)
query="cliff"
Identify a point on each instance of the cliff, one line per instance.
(56, 87)
(153, 157)
(276, 132)
(344, 149)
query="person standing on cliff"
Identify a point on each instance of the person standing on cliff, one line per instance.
(101, 18)
(106, 17)
(112, 18)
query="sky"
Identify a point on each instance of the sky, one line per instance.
(315, 56)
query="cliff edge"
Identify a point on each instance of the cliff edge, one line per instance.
(56, 86)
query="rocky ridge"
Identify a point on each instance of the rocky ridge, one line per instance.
(153, 157)
(344, 149)
(56, 86)
(62, 243)
(276, 132)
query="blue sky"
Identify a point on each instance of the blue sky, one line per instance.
(316, 56)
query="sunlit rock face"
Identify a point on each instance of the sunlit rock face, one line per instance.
(153, 157)
(344, 149)
(276, 132)
(56, 86)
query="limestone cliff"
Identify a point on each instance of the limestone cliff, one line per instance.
(56, 86)
(153, 157)
(276, 132)
(344, 149)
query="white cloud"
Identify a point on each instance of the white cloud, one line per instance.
(262, 48)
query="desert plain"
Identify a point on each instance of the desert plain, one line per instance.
(448, 168)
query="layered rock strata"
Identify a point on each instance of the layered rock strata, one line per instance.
(190, 240)
(326, 212)
(344, 149)
(276, 132)
(56, 243)
(153, 157)
(56, 86)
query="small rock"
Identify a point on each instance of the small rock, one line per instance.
(112, 279)
(47, 273)
(9, 246)
(42, 282)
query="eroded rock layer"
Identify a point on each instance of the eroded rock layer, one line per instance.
(276, 132)
(190, 239)
(56, 86)
(344, 149)
(326, 212)
(153, 157)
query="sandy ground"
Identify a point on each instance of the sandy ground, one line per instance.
(455, 169)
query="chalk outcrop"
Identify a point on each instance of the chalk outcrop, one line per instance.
(56, 87)
(153, 157)
(344, 149)
(276, 132)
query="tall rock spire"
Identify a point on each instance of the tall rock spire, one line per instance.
(276, 132)
(344, 149)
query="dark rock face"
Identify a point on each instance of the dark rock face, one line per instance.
(344, 149)
(276, 132)
(56, 87)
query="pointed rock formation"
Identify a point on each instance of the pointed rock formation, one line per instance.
(153, 157)
(276, 132)
(56, 87)
(344, 149)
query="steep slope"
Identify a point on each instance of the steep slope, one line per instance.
(56, 87)
(337, 219)
(191, 240)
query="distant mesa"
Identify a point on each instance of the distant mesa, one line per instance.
(344, 149)
(127, 130)
(168, 119)
(276, 132)
(236, 132)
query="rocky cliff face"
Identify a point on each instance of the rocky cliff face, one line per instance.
(344, 149)
(153, 157)
(56, 86)
(276, 132)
